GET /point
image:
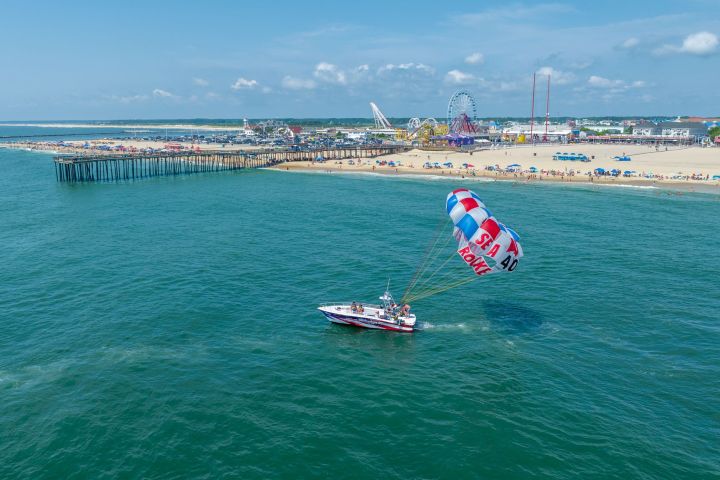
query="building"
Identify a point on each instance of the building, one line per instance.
(602, 127)
(646, 129)
(555, 133)
(683, 129)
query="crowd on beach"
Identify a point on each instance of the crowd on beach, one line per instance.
(514, 171)
(93, 147)
(484, 163)
(100, 147)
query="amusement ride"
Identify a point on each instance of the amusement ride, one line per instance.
(462, 113)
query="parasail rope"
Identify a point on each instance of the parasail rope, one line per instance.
(441, 289)
(426, 282)
(429, 254)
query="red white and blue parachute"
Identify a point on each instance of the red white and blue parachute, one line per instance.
(484, 243)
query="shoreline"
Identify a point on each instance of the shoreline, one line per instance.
(132, 126)
(688, 186)
(686, 168)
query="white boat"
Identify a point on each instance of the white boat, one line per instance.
(387, 316)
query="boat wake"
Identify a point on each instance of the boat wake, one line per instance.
(442, 327)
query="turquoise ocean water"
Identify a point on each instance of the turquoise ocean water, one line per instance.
(166, 328)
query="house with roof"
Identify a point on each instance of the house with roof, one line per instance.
(683, 129)
(646, 129)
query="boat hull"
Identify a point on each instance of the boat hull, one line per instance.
(365, 322)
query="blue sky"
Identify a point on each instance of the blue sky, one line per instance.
(103, 60)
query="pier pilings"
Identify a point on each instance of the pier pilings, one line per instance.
(131, 166)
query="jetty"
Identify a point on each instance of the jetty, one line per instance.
(130, 166)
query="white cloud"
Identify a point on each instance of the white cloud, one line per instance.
(200, 82)
(327, 72)
(407, 67)
(162, 93)
(475, 58)
(557, 77)
(614, 86)
(128, 98)
(244, 84)
(456, 77)
(631, 42)
(602, 82)
(363, 68)
(293, 83)
(701, 43)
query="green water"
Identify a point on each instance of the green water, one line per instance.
(166, 328)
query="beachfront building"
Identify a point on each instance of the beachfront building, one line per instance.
(601, 127)
(521, 133)
(695, 130)
(646, 129)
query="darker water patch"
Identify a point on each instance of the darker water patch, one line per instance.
(511, 317)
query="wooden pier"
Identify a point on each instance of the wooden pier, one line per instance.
(130, 166)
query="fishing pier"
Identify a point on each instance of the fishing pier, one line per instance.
(130, 166)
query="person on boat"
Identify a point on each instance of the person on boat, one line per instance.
(353, 307)
(360, 309)
(405, 310)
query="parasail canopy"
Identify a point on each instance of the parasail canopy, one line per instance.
(484, 243)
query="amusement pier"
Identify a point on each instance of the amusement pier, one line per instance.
(461, 144)
(129, 166)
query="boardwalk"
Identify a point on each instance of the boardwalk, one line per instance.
(129, 166)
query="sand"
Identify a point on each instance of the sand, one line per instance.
(76, 146)
(675, 166)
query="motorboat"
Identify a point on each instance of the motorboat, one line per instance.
(386, 316)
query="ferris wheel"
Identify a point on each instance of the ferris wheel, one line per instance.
(462, 109)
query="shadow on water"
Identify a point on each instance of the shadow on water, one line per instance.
(512, 318)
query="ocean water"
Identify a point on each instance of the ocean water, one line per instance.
(167, 328)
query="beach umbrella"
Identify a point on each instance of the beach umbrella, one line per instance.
(470, 165)
(716, 177)
(599, 170)
(513, 165)
(533, 170)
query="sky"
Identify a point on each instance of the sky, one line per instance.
(313, 59)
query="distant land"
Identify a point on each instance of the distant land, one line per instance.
(309, 122)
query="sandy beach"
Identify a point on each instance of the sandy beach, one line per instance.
(119, 146)
(680, 166)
